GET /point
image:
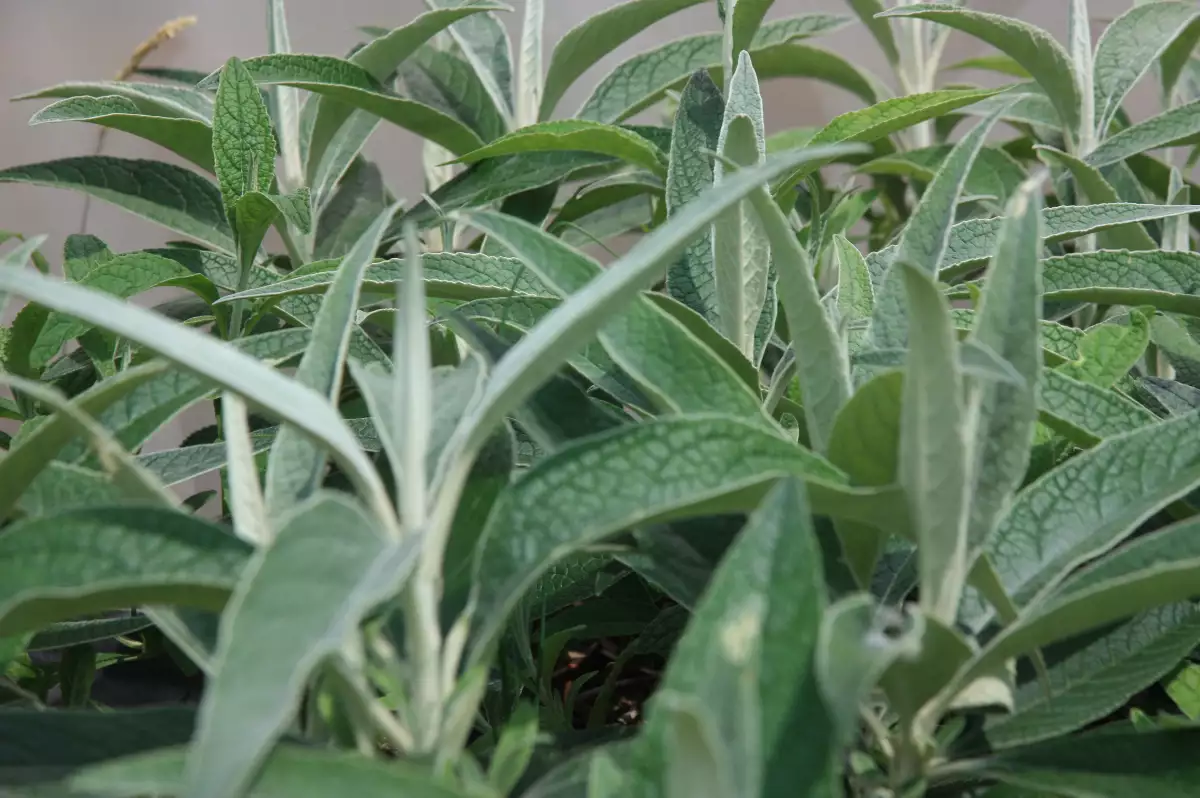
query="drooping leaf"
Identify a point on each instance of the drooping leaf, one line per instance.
(643, 79)
(755, 631)
(188, 138)
(595, 37)
(93, 559)
(296, 464)
(1031, 47)
(1130, 45)
(171, 196)
(575, 135)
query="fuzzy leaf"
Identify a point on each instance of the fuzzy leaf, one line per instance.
(152, 99)
(243, 144)
(1084, 413)
(575, 135)
(1167, 281)
(1098, 190)
(1176, 127)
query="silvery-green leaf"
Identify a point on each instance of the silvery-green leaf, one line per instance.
(1129, 47)
(994, 173)
(855, 296)
(697, 129)
(881, 29)
(1176, 60)
(1031, 47)
(933, 456)
(926, 236)
(243, 144)
(529, 64)
(152, 99)
(1176, 127)
(595, 37)
(482, 39)
(285, 101)
(1084, 413)
(296, 465)
(577, 135)
(303, 597)
(1003, 415)
(1098, 190)
(188, 138)
(361, 195)
(741, 255)
(165, 194)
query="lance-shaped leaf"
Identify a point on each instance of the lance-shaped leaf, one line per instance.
(1096, 680)
(933, 465)
(351, 85)
(1033, 48)
(995, 172)
(152, 99)
(361, 195)
(741, 255)
(755, 629)
(576, 135)
(926, 236)
(696, 132)
(529, 64)
(1164, 280)
(596, 37)
(642, 80)
(1104, 764)
(243, 144)
(93, 559)
(285, 101)
(716, 465)
(224, 365)
(296, 464)
(446, 81)
(333, 126)
(1129, 47)
(74, 633)
(1098, 190)
(655, 348)
(188, 138)
(169, 195)
(1090, 504)
(290, 770)
(821, 364)
(1005, 414)
(303, 599)
(1084, 413)
(973, 241)
(1177, 59)
(1176, 127)
(747, 18)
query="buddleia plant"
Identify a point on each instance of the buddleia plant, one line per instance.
(868, 469)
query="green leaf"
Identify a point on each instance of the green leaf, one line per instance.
(1090, 504)
(188, 138)
(822, 366)
(1184, 690)
(483, 40)
(584, 45)
(351, 85)
(301, 599)
(741, 257)
(1103, 764)
(1031, 47)
(93, 559)
(1107, 352)
(995, 173)
(361, 195)
(1176, 127)
(1098, 190)
(642, 80)
(933, 468)
(1164, 280)
(296, 464)
(194, 351)
(529, 64)
(124, 277)
(795, 60)
(74, 633)
(575, 135)
(1005, 414)
(696, 133)
(713, 461)
(284, 101)
(1002, 64)
(243, 144)
(868, 12)
(289, 772)
(1099, 678)
(253, 213)
(165, 194)
(173, 466)
(1129, 47)
(151, 99)
(1084, 413)
(757, 624)
(855, 296)
(444, 80)
(926, 236)
(1178, 346)
(657, 350)
(514, 749)
(1175, 60)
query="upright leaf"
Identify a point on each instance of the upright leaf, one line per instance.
(296, 465)
(302, 599)
(1031, 47)
(243, 144)
(747, 18)
(741, 256)
(529, 64)
(594, 38)
(285, 101)
(697, 130)
(1130, 46)
(755, 631)
(1004, 415)
(868, 12)
(926, 236)
(934, 450)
